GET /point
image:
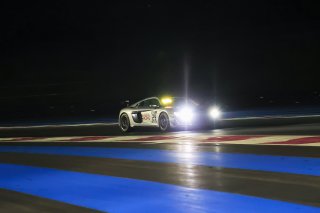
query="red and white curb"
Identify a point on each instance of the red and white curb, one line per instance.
(180, 138)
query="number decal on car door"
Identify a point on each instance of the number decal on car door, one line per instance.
(154, 116)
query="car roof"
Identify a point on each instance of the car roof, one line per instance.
(145, 100)
(154, 97)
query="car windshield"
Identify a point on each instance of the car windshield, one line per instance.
(179, 101)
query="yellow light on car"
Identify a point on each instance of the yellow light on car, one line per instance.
(166, 101)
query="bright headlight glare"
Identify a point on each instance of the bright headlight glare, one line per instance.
(214, 112)
(185, 114)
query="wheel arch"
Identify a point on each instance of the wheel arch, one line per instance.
(168, 116)
(130, 117)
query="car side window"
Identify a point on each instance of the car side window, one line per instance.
(142, 104)
(148, 103)
(155, 102)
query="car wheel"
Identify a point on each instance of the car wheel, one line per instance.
(164, 123)
(124, 123)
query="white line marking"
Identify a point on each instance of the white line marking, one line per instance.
(57, 125)
(178, 140)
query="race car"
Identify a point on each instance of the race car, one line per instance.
(163, 113)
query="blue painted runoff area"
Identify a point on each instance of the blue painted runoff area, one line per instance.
(114, 194)
(285, 164)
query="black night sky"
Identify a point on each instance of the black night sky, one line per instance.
(73, 58)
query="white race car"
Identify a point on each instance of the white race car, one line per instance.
(163, 113)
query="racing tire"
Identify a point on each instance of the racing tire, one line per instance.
(124, 123)
(164, 122)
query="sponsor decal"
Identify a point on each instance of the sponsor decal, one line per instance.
(146, 117)
(154, 116)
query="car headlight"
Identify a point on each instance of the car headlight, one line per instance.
(185, 114)
(214, 112)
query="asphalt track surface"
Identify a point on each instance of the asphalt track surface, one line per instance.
(163, 177)
(235, 128)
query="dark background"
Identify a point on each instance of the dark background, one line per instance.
(63, 59)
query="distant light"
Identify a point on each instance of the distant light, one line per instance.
(166, 101)
(214, 112)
